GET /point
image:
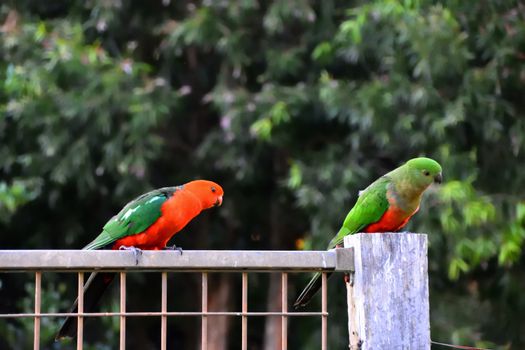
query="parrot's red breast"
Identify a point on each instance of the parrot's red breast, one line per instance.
(394, 219)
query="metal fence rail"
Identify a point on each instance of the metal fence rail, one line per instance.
(80, 261)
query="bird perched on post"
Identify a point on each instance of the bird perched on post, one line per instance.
(147, 222)
(385, 206)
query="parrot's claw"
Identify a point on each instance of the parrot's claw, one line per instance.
(136, 252)
(173, 247)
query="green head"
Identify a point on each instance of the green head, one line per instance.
(423, 172)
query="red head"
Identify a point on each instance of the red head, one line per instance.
(208, 192)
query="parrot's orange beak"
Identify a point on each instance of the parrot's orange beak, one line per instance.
(218, 202)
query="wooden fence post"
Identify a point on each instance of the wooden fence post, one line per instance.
(388, 304)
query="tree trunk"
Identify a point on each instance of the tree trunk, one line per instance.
(272, 332)
(219, 300)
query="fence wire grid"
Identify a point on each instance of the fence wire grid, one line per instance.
(164, 262)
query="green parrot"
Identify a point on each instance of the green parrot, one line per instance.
(385, 206)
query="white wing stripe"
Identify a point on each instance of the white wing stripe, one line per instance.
(129, 212)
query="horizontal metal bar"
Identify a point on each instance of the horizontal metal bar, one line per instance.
(344, 259)
(155, 313)
(192, 260)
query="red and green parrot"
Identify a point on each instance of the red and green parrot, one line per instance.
(385, 206)
(147, 222)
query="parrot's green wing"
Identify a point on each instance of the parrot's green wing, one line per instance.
(135, 217)
(369, 208)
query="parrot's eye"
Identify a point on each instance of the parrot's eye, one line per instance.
(426, 172)
(213, 189)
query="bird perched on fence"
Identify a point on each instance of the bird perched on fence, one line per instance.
(385, 206)
(147, 222)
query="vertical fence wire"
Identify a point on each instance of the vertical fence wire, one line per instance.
(324, 310)
(38, 298)
(284, 309)
(204, 317)
(244, 328)
(164, 309)
(122, 311)
(80, 310)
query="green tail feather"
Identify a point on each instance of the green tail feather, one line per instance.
(309, 291)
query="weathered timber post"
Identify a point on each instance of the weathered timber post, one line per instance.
(388, 304)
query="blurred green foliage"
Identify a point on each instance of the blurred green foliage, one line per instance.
(293, 107)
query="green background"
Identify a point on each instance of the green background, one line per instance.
(293, 106)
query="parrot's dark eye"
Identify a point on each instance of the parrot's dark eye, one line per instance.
(426, 172)
(213, 189)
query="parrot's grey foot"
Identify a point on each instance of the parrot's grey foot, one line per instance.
(173, 247)
(136, 252)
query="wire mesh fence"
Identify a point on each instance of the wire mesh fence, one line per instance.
(40, 262)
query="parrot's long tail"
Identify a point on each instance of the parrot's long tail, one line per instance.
(95, 286)
(309, 291)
